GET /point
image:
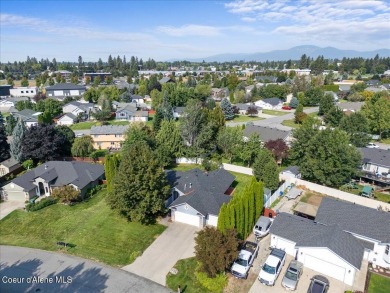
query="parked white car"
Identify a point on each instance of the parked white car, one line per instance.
(262, 226)
(372, 145)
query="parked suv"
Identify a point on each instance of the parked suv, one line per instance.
(319, 284)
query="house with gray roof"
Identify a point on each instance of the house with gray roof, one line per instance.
(270, 104)
(66, 119)
(350, 106)
(290, 173)
(9, 166)
(78, 108)
(41, 180)
(63, 90)
(336, 243)
(110, 137)
(267, 133)
(376, 164)
(129, 112)
(7, 104)
(197, 196)
(165, 80)
(29, 117)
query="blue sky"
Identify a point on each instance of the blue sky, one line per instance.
(165, 30)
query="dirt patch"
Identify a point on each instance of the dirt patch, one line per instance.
(240, 285)
(311, 197)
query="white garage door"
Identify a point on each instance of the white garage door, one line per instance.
(16, 196)
(187, 219)
(288, 246)
(324, 267)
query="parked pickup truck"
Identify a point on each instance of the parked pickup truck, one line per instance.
(243, 263)
(272, 267)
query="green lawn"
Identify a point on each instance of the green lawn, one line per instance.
(150, 120)
(185, 278)
(244, 118)
(274, 112)
(377, 195)
(385, 140)
(97, 232)
(290, 123)
(89, 124)
(378, 284)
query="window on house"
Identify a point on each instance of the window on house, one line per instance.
(47, 190)
(22, 92)
(2, 171)
(112, 143)
(96, 135)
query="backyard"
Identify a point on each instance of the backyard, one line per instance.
(378, 284)
(96, 231)
(385, 197)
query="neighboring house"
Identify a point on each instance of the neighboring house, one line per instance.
(108, 136)
(342, 235)
(93, 75)
(23, 91)
(375, 165)
(129, 112)
(67, 119)
(345, 87)
(8, 166)
(137, 99)
(334, 95)
(269, 78)
(270, 104)
(43, 179)
(178, 112)
(63, 90)
(373, 82)
(76, 108)
(350, 106)
(64, 73)
(375, 89)
(267, 133)
(290, 173)
(197, 196)
(243, 108)
(165, 80)
(29, 117)
(7, 104)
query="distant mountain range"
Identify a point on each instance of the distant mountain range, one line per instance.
(294, 53)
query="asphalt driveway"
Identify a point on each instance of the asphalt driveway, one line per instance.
(9, 206)
(175, 243)
(33, 270)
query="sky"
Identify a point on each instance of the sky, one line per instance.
(184, 29)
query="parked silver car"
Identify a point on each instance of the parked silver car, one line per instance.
(292, 275)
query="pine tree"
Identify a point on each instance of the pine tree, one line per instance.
(252, 208)
(259, 197)
(221, 225)
(11, 122)
(1, 120)
(18, 134)
(245, 199)
(227, 109)
(4, 146)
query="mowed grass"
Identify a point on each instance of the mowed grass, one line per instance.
(378, 284)
(185, 277)
(89, 124)
(244, 118)
(275, 112)
(291, 123)
(97, 232)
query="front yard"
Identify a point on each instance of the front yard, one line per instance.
(378, 284)
(245, 118)
(275, 112)
(96, 231)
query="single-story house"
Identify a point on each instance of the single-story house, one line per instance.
(41, 180)
(137, 99)
(197, 196)
(8, 166)
(267, 133)
(128, 111)
(66, 119)
(62, 90)
(373, 82)
(76, 108)
(108, 136)
(178, 111)
(243, 108)
(7, 104)
(342, 235)
(270, 104)
(29, 117)
(290, 173)
(375, 163)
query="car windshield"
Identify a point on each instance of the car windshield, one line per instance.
(291, 276)
(268, 269)
(241, 262)
(317, 287)
(259, 228)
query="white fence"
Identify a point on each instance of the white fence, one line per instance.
(238, 169)
(196, 161)
(279, 192)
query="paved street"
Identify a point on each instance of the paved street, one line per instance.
(9, 206)
(21, 267)
(176, 242)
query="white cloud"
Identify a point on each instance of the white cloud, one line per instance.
(202, 30)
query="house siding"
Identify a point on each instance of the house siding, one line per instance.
(107, 141)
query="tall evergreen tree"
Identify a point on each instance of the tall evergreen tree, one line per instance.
(18, 135)
(11, 122)
(4, 146)
(227, 109)
(222, 216)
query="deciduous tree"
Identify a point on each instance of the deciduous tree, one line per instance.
(229, 140)
(356, 125)
(82, 146)
(66, 194)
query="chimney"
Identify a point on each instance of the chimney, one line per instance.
(45, 167)
(190, 185)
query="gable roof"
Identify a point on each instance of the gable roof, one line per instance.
(355, 106)
(293, 169)
(10, 162)
(307, 233)
(63, 173)
(65, 86)
(354, 218)
(272, 101)
(82, 106)
(28, 115)
(378, 157)
(70, 115)
(109, 129)
(203, 191)
(165, 80)
(266, 133)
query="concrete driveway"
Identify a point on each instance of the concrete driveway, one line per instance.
(176, 242)
(9, 206)
(33, 270)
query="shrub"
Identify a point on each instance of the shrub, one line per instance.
(98, 154)
(92, 191)
(216, 284)
(32, 207)
(66, 194)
